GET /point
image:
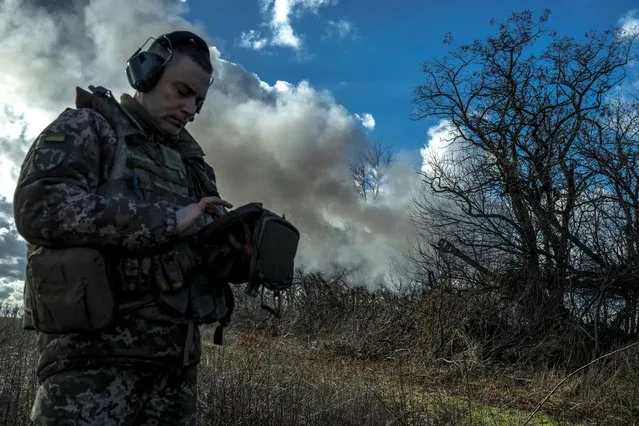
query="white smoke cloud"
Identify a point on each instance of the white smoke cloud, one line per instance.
(286, 144)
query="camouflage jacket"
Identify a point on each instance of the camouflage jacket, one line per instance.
(58, 202)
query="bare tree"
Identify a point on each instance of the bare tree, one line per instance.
(368, 167)
(516, 182)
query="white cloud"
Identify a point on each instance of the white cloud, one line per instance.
(630, 23)
(18, 123)
(341, 29)
(283, 34)
(282, 86)
(440, 136)
(278, 15)
(367, 120)
(252, 40)
(8, 172)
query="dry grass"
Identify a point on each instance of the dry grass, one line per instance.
(270, 375)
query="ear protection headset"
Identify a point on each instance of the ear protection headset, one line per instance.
(144, 68)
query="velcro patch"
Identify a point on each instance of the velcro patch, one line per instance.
(54, 137)
(48, 139)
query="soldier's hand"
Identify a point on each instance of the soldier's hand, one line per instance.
(188, 216)
(246, 249)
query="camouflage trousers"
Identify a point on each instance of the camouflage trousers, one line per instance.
(117, 396)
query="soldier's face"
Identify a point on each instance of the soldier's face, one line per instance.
(173, 101)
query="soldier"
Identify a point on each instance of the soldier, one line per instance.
(108, 199)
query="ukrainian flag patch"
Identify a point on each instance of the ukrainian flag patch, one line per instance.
(54, 137)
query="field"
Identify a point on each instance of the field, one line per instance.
(269, 373)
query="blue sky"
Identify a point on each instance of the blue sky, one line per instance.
(368, 54)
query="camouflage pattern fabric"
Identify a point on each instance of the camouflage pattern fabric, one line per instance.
(117, 396)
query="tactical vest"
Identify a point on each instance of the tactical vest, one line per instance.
(165, 286)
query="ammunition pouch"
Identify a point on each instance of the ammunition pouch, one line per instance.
(68, 290)
(171, 275)
(173, 268)
(135, 274)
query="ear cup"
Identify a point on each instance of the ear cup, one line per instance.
(144, 69)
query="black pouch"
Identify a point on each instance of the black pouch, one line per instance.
(69, 290)
(274, 247)
(272, 243)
